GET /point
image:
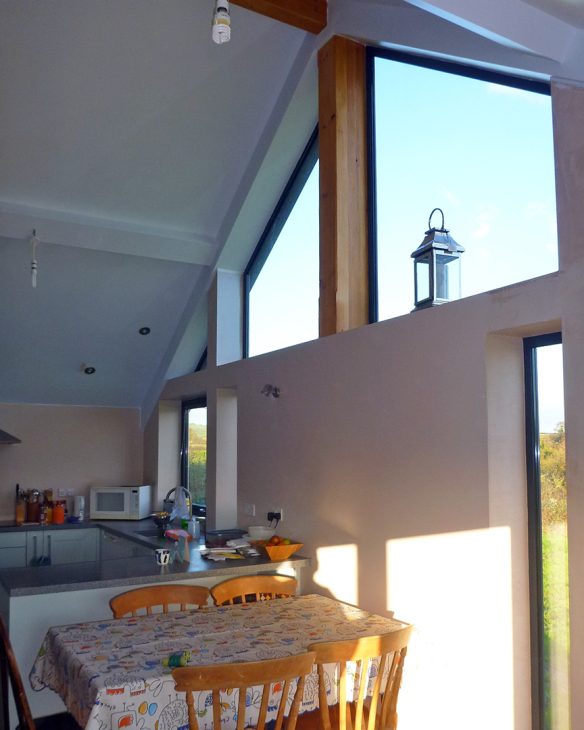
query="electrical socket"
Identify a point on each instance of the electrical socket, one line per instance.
(278, 511)
(249, 509)
(69, 492)
(61, 492)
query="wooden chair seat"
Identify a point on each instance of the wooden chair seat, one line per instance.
(252, 588)
(378, 712)
(166, 595)
(276, 677)
(10, 674)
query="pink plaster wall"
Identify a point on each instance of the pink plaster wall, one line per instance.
(72, 447)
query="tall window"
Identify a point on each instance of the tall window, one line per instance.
(281, 279)
(474, 143)
(194, 452)
(548, 534)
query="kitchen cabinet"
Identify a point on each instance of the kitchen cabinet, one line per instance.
(60, 547)
(13, 550)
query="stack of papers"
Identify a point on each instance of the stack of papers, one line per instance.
(230, 552)
(221, 553)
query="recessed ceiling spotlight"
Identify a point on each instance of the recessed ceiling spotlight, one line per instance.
(88, 369)
(144, 330)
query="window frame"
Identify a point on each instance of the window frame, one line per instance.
(534, 519)
(458, 68)
(275, 224)
(198, 510)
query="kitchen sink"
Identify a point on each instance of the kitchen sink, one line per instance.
(152, 532)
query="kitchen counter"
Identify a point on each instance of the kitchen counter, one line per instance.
(32, 599)
(125, 571)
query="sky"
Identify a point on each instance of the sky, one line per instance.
(480, 151)
(550, 387)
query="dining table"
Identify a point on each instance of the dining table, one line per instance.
(117, 673)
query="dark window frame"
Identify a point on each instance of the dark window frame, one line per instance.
(534, 519)
(199, 510)
(202, 361)
(275, 224)
(457, 68)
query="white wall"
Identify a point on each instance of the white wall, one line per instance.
(73, 447)
(381, 450)
(397, 453)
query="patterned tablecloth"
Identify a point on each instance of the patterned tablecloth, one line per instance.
(112, 674)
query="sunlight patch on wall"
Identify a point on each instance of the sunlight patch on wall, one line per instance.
(338, 572)
(456, 589)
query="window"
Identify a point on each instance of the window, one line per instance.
(474, 143)
(281, 280)
(194, 452)
(548, 535)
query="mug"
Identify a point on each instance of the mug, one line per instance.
(162, 556)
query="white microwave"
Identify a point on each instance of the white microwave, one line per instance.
(120, 503)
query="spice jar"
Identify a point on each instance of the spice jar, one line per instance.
(33, 507)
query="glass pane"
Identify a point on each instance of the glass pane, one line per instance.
(197, 455)
(480, 151)
(447, 277)
(283, 302)
(423, 278)
(554, 534)
(111, 501)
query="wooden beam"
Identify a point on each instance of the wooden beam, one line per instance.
(308, 15)
(344, 301)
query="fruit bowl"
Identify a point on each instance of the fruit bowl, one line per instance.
(161, 520)
(282, 552)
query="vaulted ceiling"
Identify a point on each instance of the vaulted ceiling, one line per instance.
(144, 156)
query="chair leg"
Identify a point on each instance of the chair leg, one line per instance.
(4, 693)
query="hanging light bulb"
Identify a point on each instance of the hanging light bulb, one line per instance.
(33, 264)
(221, 28)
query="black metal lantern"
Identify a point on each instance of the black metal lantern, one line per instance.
(436, 267)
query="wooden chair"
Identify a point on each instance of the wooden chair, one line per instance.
(9, 672)
(242, 676)
(145, 599)
(377, 712)
(250, 588)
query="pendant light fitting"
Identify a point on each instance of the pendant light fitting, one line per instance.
(221, 26)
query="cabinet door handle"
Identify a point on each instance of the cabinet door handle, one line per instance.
(49, 547)
(34, 550)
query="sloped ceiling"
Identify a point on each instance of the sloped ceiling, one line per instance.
(125, 133)
(144, 156)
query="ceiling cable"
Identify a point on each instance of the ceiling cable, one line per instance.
(33, 264)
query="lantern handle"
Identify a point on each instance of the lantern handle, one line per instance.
(430, 219)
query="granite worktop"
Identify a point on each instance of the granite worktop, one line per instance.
(126, 571)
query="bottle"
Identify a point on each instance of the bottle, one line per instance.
(20, 510)
(194, 529)
(59, 512)
(33, 508)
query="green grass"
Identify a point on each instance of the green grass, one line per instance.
(556, 648)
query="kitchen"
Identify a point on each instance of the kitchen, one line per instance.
(67, 573)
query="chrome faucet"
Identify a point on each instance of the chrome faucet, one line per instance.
(168, 504)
